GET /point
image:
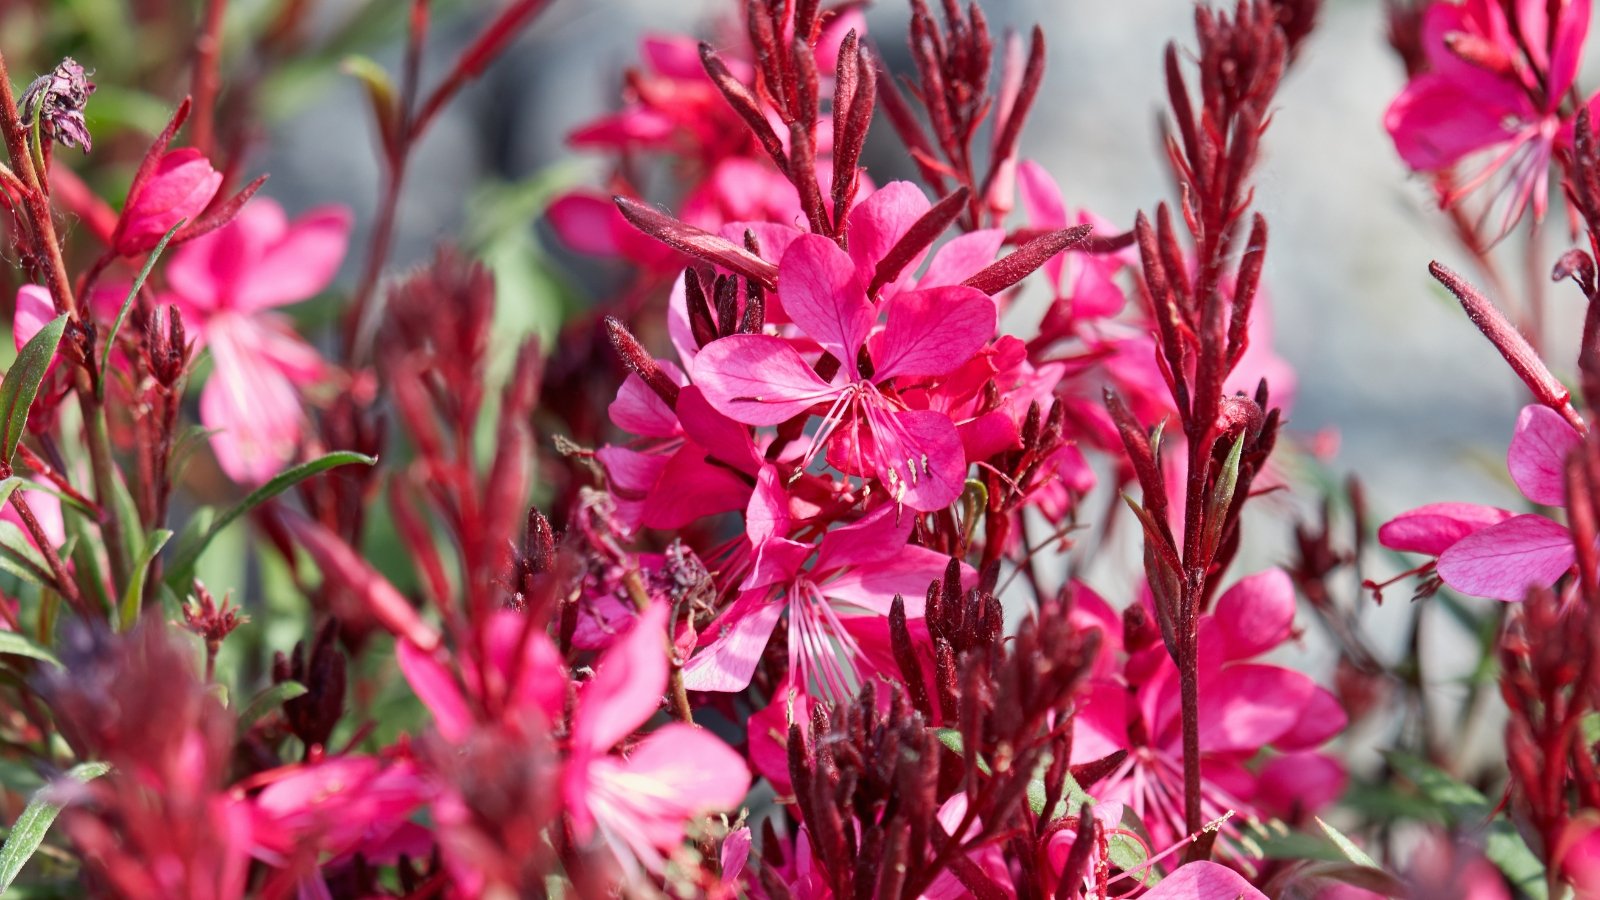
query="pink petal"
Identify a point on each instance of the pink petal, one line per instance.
(342, 566)
(1321, 719)
(298, 265)
(1437, 120)
(735, 853)
(1256, 613)
(181, 187)
(638, 410)
(876, 536)
(541, 676)
(932, 332)
(251, 403)
(627, 685)
(908, 573)
(729, 659)
(1502, 561)
(725, 439)
(1247, 707)
(1571, 27)
(698, 772)
(1295, 785)
(433, 684)
(878, 222)
(35, 309)
(205, 271)
(1538, 455)
(1204, 881)
(918, 455)
(690, 489)
(767, 516)
(1432, 529)
(822, 293)
(962, 257)
(758, 379)
(587, 223)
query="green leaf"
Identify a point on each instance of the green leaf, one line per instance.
(267, 701)
(28, 833)
(14, 644)
(134, 593)
(951, 738)
(21, 384)
(127, 303)
(1347, 847)
(1465, 807)
(183, 564)
(19, 557)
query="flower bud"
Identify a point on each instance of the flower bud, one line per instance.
(180, 188)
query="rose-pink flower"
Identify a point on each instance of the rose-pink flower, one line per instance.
(225, 283)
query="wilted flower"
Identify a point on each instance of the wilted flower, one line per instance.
(55, 102)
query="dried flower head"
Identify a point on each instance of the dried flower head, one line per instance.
(54, 103)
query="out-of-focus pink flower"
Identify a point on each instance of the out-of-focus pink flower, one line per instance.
(846, 591)
(225, 283)
(760, 379)
(1245, 707)
(640, 802)
(510, 650)
(1490, 552)
(181, 186)
(1488, 92)
(1204, 881)
(325, 812)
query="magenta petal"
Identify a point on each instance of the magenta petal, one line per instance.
(437, 689)
(874, 537)
(1502, 561)
(1432, 529)
(34, 310)
(872, 587)
(962, 257)
(757, 379)
(932, 332)
(1437, 120)
(627, 685)
(1204, 881)
(728, 660)
(879, 221)
(1257, 613)
(1299, 784)
(1571, 27)
(1321, 719)
(918, 455)
(723, 438)
(1247, 707)
(1538, 455)
(639, 410)
(690, 488)
(822, 293)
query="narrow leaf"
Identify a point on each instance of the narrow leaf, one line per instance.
(28, 833)
(21, 384)
(183, 563)
(13, 644)
(697, 242)
(267, 701)
(1347, 847)
(141, 571)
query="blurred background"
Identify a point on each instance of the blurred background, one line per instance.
(1421, 405)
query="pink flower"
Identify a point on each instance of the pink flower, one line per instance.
(640, 803)
(1485, 551)
(1488, 92)
(761, 379)
(532, 701)
(1245, 708)
(224, 283)
(693, 461)
(846, 591)
(1204, 881)
(179, 187)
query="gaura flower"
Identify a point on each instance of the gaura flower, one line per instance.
(1485, 551)
(1486, 93)
(761, 379)
(1245, 707)
(832, 604)
(225, 284)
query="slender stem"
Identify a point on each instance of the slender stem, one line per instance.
(54, 476)
(677, 694)
(58, 570)
(207, 53)
(34, 199)
(101, 465)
